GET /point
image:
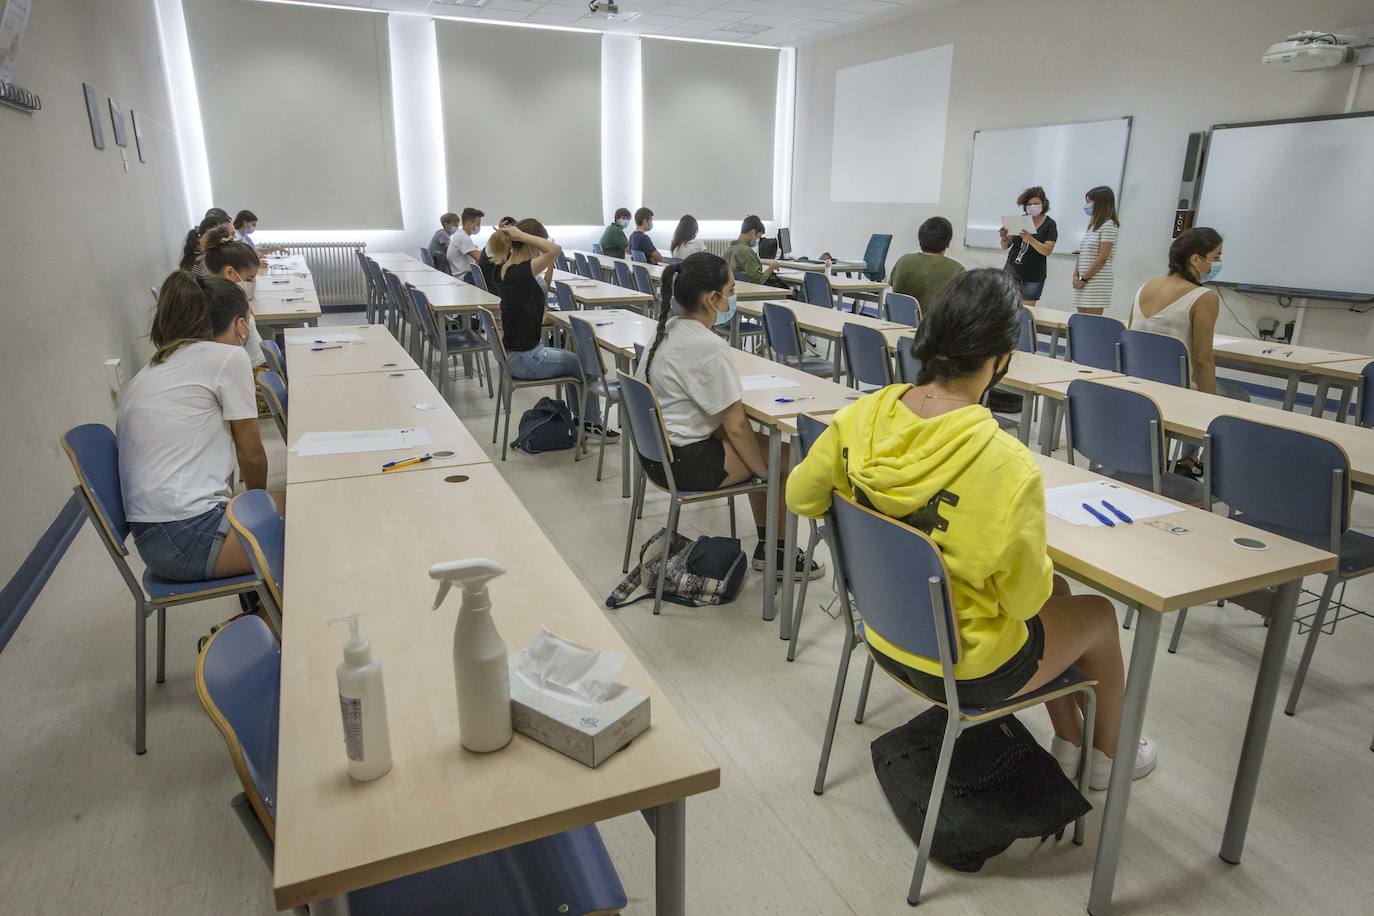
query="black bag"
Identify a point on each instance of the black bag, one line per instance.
(1002, 786)
(546, 427)
(705, 571)
(768, 249)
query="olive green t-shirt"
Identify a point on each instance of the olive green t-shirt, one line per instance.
(922, 275)
(613, 241)
(743, 258)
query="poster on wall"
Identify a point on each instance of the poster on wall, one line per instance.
(121, 134)
(14, 16)
(93, 112)
(138, 134)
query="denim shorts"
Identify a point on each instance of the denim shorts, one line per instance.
(184, 550)
(1031, 290)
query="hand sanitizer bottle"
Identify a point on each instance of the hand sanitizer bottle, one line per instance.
(362, 701)
(481, 669)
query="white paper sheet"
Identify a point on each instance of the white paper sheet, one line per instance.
(761, 382)
(1222, 341)
(1014, 224)
(328, 337)
(360, 440)
(1067, 503)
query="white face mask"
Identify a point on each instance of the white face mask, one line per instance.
(249, 288)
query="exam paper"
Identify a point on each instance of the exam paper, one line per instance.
(360, 440)
(1067, 503)
(329, 337)
(1014, 224)
(761, 382)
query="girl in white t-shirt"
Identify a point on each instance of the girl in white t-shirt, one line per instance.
(186, 421)
(685, 241)
(699, 393)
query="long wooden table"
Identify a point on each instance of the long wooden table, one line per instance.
(1345, 374)
(589, 293)
(840, 287)
(821, 322)
(378, 351)
(843, 267)
(744, 291)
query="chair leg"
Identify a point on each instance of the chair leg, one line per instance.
(937, 792)
(801, 590)
(1085, 757)
(1311, 645)
(505, 436)
(1130, 616)
(486, 366)
(601, 450)
(496, 421)
(140, 678)
(663, 557)
(863, 691)
(635, 501)
(1178, 631)
(731, 503)
(836, 696)
(162, 645)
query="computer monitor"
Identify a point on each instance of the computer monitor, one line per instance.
(784, 242)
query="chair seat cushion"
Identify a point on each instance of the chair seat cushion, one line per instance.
(465, 340)
(160, 589)
(815, 365)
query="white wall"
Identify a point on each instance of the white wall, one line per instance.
(1175, 65)
(81, 240)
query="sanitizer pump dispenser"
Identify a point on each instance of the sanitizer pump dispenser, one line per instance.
(362, 702)
(481, 670)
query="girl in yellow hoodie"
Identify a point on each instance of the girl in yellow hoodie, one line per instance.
(931, 455)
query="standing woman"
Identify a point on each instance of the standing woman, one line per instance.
(1094, 274)
(685, 239)
(1027, 254)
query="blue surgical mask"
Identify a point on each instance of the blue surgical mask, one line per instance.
(1212, 272)
(725, 317)
(1087, 209)
(450, 230)
(754, 244)
(623, 223)
(649, 227)
(249, 230)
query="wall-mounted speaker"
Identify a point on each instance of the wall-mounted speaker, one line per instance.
(1190, 184)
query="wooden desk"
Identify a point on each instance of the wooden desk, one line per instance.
(397, 261)
(374, 400)
(364, 545)
(595, 294)
(757, 292)
(819, 266)
(822, 322)
(1345, 374)
(377, 352)
(427, 277)
(1286, 361)
(457, 296)
(853, 287)
(276, 310)
(1053, 320)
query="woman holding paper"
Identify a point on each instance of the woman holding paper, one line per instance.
(1028, 252)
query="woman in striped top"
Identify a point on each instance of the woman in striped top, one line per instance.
(1093, 276)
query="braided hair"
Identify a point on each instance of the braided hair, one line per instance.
(974, 318)
(1200, 240)
(688, 283)
(191, 309)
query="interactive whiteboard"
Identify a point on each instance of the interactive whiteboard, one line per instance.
(1067, 160)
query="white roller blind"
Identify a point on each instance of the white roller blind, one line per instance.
(708, 128)
(522, 121)
(295, 103)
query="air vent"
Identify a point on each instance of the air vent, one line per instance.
(745, 28)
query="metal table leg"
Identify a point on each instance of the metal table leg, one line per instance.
(1319, 402)
(770, 540)
(622, 364)
(1257, 727)
(1123, 766)
(669, 823)
(1346, 392)
(1049, 426)
(789, 547)
(1290, 395)
(1027, 412)
(1054, 343)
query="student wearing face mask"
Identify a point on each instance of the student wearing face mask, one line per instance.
(639, 239)
(613, 241)
(700, 396)
(1094, 275)
(234, 261)
(462, 250)
(930, 455)
(245, 224)
(742, 256)
(186, 422)
(527, 257)
(439, 241)
(1028, 253)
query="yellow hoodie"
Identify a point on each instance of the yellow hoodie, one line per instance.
(994, 540)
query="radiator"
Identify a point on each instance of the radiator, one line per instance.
(334, 267)
(717, 246)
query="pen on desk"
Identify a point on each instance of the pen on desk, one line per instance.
(1118, 513)
(405, 462)
(1099, 516)
(808, 397)
(330, 347)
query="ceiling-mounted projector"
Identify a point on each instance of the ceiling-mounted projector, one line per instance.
(608, 9)
(1315, 51)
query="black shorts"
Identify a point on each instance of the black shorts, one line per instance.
(983, 691)
(697, 466)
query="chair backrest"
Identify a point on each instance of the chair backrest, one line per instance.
(1157, 357)
(780, 329)
(637, 255)
(561, 262)
(596, 248)
(865, 353)
(396, 295)
(378, 283)
(643, 282)
(494, 339)
(276, 359)
(888, 567)
(875, 256)
(1279, 476)
(1111, 427)
(238, 680)
(594, 268)
(645, 420)
(584, 345)
(622, 274)
(274, 393)
(1026, 341)
(477, 278)
(1366, 395)
(425, 258)
(1093, 340)
(816, 288)
(902, 309)
(580, 260)
(743, 276)
(908, 366)
(809, 429)
(419, 307)
(94, 455)
(566, 302)
(262, 532)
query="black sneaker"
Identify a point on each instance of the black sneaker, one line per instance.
(594, 429)
(816, 571)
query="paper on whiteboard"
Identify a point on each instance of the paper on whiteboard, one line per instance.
(360, 440)
(333, 337)
(1014, 224)
(1067, 503)
(761, 382)
(13, 18)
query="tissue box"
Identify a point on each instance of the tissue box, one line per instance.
(587, 734)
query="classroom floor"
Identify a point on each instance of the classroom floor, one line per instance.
(91, 828)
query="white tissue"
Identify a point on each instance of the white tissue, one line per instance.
(570, 672)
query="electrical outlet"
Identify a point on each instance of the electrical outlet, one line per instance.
(114, 374)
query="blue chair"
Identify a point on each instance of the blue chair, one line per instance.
(742, 276)
(594, 268)
(596, 248)
(561, 262)
(447, 341)
(901, 587)
(902, 309)
(816, 289)
(643, 282)
(1366, 405)
(274, 393)
(637, 255)
(380, 310)
(865, 356)
(1026, 341)
(1121, 433)
(908, 366)
(644, 420)
(622, 275)
(400, 319)
(1157, 357)
(875, 257)
(477, 278)
(509, 385)
(597, 385)
(238, 680)
(564, 294)
(784, 339)
(425, 258)
(94, 455)
(369, 307)
(583, 270)
(1093, 341)
(276, 359)
(262, 532)
(1295, 485)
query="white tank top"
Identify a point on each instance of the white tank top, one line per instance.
(1175, 319)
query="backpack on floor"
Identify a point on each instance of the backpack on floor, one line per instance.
(546, 427)
(1002, 786)
(705, 571)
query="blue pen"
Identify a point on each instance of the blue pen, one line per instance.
(808, 397)
(330, 347)
(391, 464)
(1099, 516)
(1118, 513)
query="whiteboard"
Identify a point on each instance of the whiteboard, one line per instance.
(1293, 201)
(1067, 160)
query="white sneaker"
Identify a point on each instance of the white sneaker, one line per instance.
(1146, 756)
(1066, 752)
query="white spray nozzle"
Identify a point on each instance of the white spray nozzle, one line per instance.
(472, 574)
(354, 638)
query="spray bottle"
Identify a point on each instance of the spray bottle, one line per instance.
(481, 670)
(362, 701)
